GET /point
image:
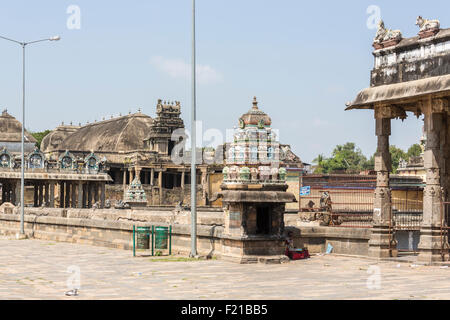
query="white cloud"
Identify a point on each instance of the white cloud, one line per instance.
(178, 69)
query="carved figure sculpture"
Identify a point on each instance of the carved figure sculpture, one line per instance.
(426, 24)
(384, 34)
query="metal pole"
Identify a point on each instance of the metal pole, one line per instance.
(193, 146)
(22, 178)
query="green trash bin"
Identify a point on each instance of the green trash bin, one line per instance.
(161, 237)
(143, 238)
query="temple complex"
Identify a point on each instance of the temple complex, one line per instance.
(411, 76)
(136, 145)
(62, 182)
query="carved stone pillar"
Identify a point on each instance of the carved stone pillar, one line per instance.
(152, 176)
(102, 194)
(160, 179)
(131, 175)
(46, 194)
(85, 192)
(124, 180)
(379, 239)
(430, 242)
(95, 189)
(41, 194)
(89, 195)
(36, 195)
(17, 193)
(80, 195)
(67, 199)
(74, 195)
(52, 195)
(61, 194)
(183, 177)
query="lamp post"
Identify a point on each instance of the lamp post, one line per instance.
(22, 177)
(193, 146)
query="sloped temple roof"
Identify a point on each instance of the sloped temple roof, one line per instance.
(11, 129)
(392, 92)
(124, 134)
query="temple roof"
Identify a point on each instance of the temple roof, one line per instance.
(53, 140)
(11, 129)
(254, 116)
(122, 134)
(391, 92)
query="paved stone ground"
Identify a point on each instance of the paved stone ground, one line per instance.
(33, 269)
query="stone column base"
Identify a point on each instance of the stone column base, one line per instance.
(430, 246)
(379, 242)
(258, 249)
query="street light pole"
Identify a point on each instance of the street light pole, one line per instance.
(22, 177)
(193, 146)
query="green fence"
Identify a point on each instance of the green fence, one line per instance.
(151, 238)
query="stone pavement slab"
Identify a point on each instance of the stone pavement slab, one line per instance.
(34, 269)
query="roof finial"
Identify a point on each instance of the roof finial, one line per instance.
(5, 112)
(255, 103)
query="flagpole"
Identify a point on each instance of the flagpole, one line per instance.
(193, 146)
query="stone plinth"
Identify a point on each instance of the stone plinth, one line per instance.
(254, 222)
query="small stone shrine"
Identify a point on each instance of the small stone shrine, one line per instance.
(135, 195)
(254, 193)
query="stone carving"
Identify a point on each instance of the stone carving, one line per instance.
(67, 161)
(386, 37)
(282, 174)
(108, 204)
(254, 174)
(92, 163)
(225, 172)
(6, 159)
(244, 174)
(325, 201)
(135, 192)
(121, 205)
(36, 159)
(274, 174)
(426, 24)
(264, 173)
(233, 173)
(428, 28)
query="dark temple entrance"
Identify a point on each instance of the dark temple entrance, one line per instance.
(263, 220)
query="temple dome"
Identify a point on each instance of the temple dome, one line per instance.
(122, 134)
(255, 117)
(53, 140)
(11, 129)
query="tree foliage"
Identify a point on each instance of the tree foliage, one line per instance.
(414, 151)
(348, 158)
(39, 136)
(345, 158)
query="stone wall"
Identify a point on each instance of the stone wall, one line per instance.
(113, 228)
(114, 192)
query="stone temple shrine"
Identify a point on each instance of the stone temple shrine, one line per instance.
(254, 193)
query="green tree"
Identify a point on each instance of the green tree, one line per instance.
(396, 155)
(319, 164)
(414, 151)
(345, 158)
(39, 136)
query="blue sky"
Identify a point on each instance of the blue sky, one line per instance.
(302, 59)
